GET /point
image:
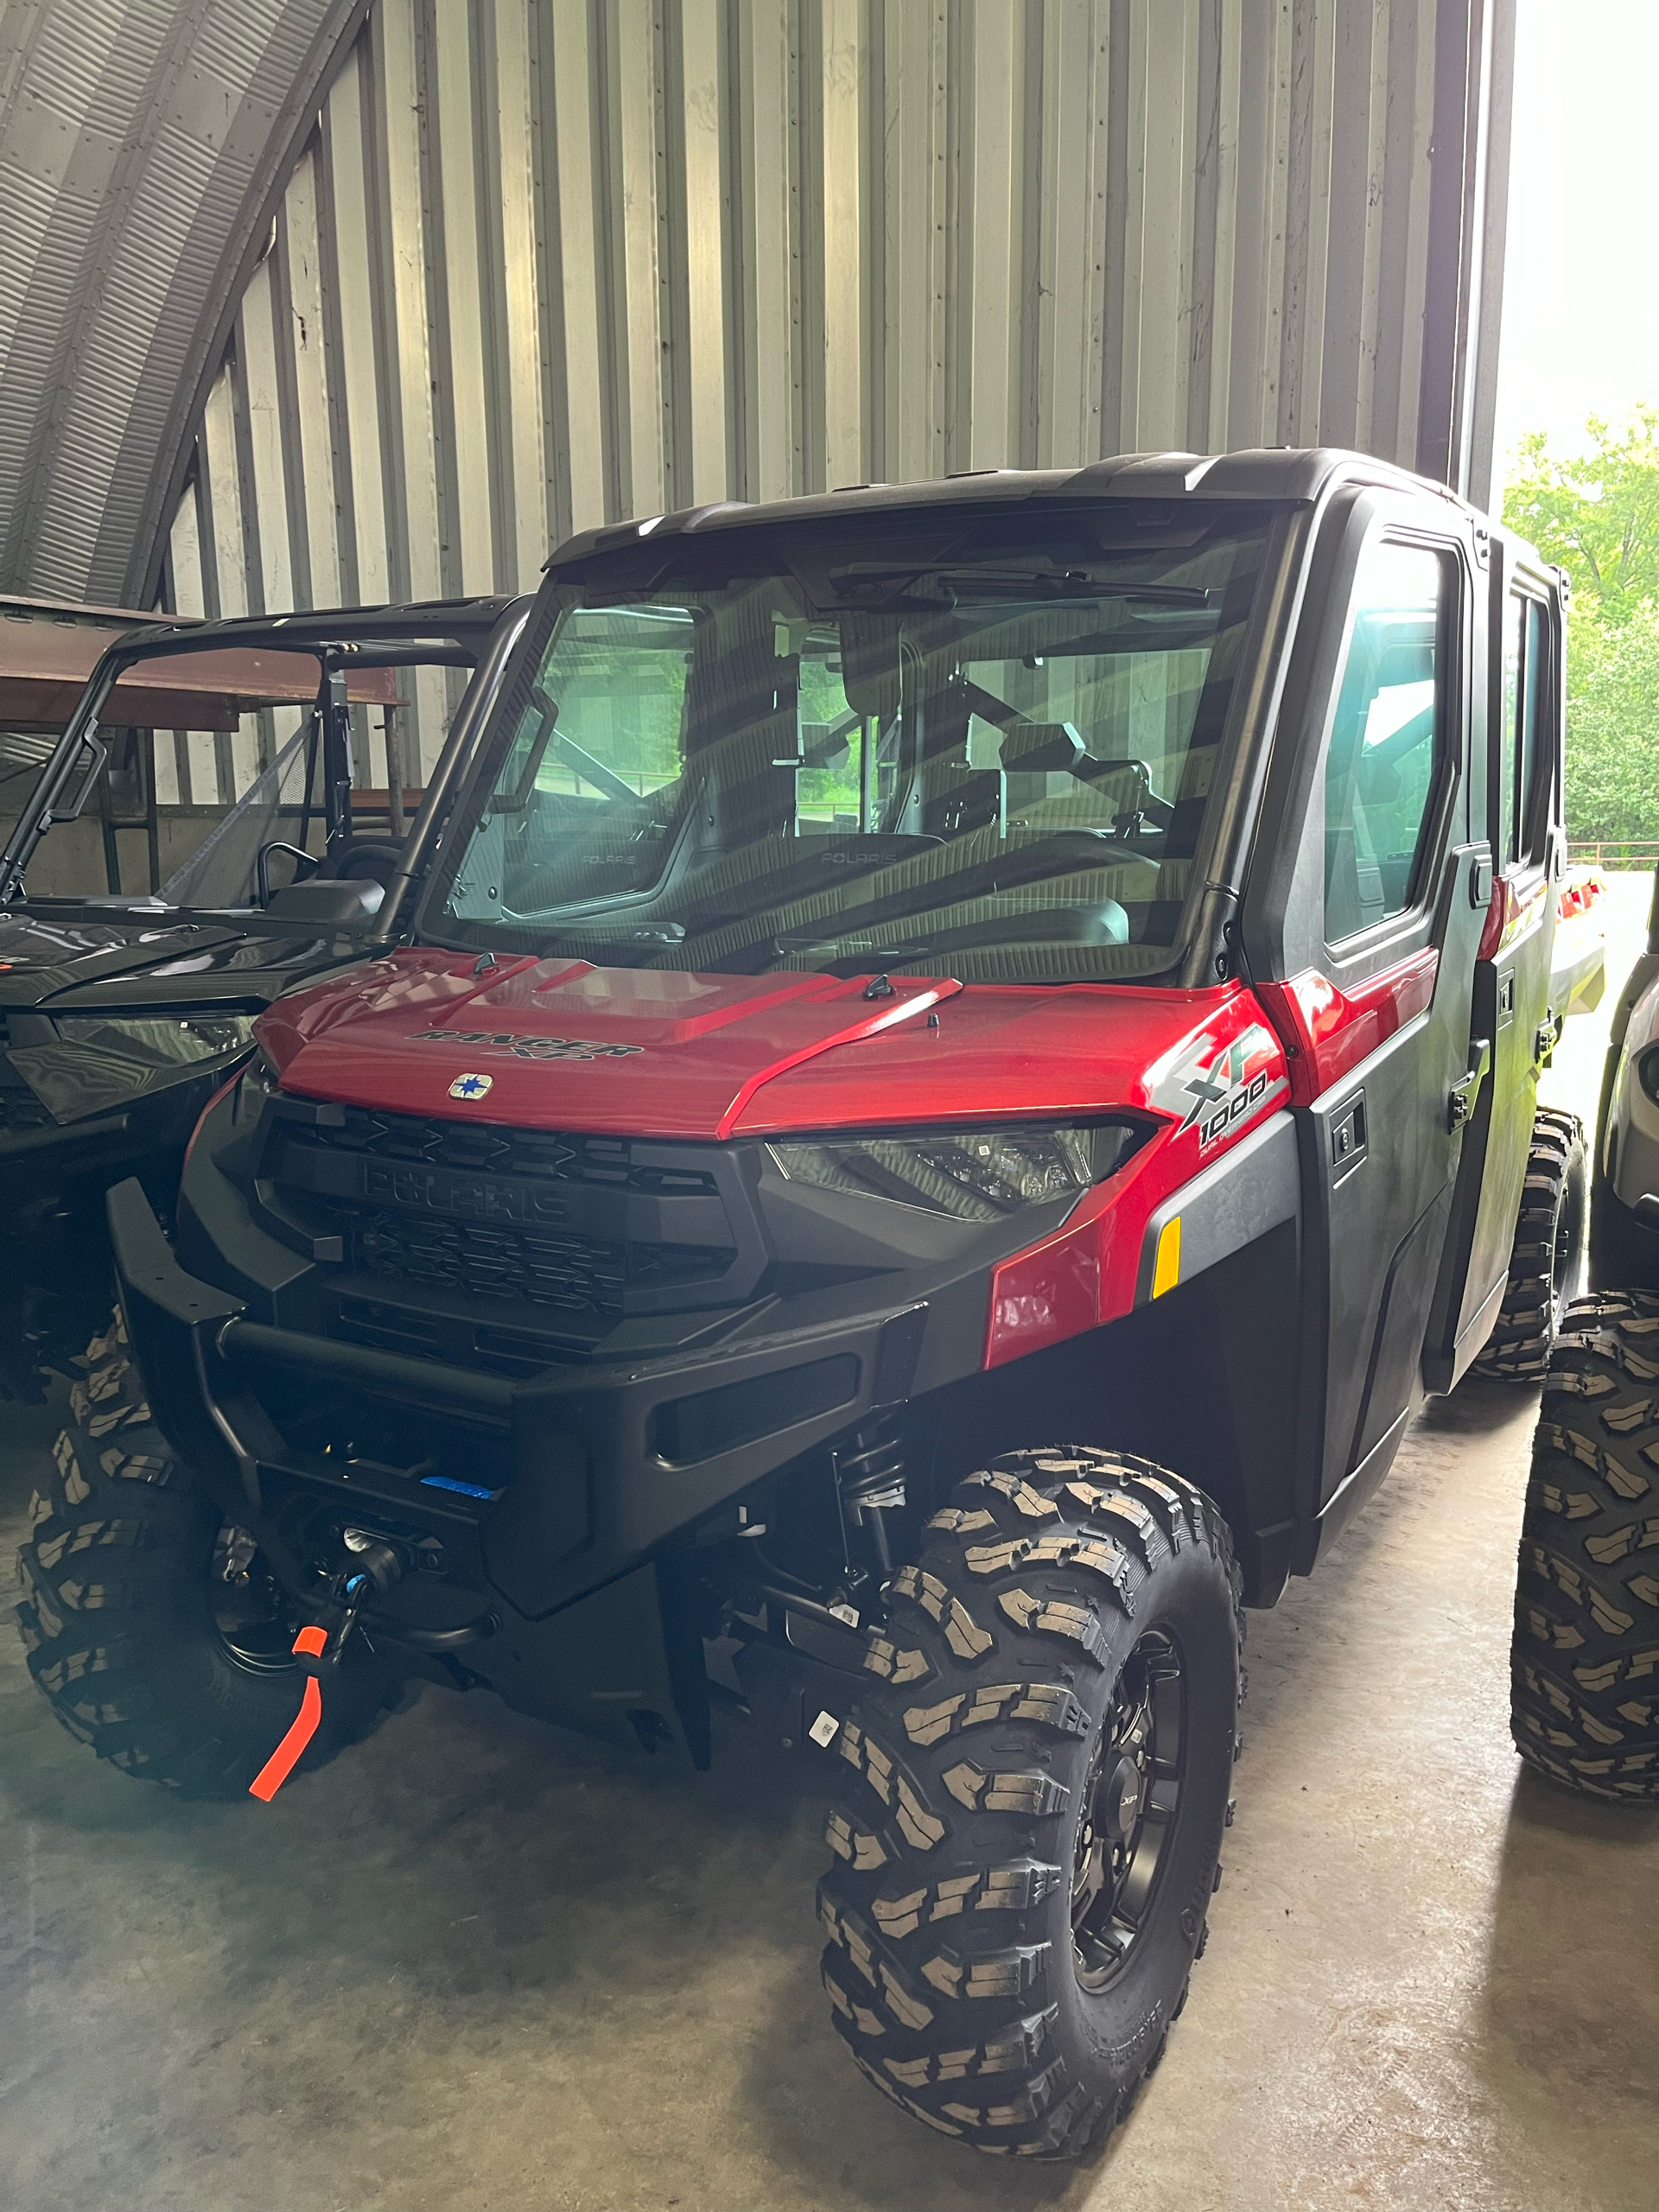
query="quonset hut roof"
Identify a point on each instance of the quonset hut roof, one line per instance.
(144, 144)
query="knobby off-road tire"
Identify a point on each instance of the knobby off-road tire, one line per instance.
(148, 1622)
(1051, 1714)
(1546, 1264)
(1585, 1704)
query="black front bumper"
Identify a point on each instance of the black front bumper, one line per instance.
(591, 1470)
(580, 1549)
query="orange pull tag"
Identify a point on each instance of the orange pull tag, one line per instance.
(311, 1643)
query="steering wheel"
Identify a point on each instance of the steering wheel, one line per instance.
(365, 858)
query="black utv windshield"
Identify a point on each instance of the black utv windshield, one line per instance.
(983, 744)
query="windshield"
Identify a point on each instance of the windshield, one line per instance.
(984, 747)
(224, 869)
(233, 784)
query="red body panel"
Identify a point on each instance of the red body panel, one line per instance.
(1326, 1031)
(660, 1053)
(1087, 1271)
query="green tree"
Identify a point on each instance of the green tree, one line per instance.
(1612, 723)
(1597, 515)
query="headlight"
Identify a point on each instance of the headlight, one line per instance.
(100, 1060)
(1646, 1072)
(970, 1174)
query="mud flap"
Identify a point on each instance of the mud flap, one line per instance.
(799, 1697)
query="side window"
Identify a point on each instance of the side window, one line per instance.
(1515, 660)
(1535, 764)
(1386, 738)
(1523, 772)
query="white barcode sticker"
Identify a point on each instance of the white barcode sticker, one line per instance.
(823, 1729)
(847, 1613)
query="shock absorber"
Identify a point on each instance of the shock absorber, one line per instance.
(870, 1483)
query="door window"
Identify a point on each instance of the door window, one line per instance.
(1522, 775)
(1386, 739)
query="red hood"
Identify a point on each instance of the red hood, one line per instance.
(655, 1053)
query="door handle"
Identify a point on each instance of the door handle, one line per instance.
(1460, 1104)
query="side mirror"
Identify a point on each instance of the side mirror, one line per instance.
(330, 899)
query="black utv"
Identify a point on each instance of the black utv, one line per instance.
(968, 1057)
(122, 1012)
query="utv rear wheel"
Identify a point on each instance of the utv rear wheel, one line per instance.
(149, 1621)
(1038, 1782)
(1585, 1703)
(1546, 1262)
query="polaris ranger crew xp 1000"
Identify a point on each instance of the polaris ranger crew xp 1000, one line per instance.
(122, 1013)
(969, 1058)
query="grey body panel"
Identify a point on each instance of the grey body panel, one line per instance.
(1250, 1190)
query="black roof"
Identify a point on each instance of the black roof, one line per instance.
(459, 620)
(1298, 475)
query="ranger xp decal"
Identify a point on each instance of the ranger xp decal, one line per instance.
(1214, 1095)
(527, 1048)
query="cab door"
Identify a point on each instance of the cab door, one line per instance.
(1361, 929)
(1512, 975)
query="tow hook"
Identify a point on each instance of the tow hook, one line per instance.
(318, 1650)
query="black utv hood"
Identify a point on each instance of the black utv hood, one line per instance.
(134, 959)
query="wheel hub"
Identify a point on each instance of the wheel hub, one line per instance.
(1130, 1797)
(1121, 1798)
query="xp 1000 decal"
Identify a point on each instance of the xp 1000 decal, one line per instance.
(1215, 1089)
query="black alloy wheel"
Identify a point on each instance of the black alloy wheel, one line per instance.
(1131, 1800)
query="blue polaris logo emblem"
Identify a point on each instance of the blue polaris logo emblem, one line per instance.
(471, 1086)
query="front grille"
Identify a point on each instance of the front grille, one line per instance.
(562, 1234)
(575, 1275)
(604, 1163)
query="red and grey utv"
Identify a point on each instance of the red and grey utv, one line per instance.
(969, 1056)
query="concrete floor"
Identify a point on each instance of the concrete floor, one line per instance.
(477, 1964)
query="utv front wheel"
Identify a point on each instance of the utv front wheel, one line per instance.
(1038, 1782)
(1547, 1261)
(1585, 1703)
(150, 1621)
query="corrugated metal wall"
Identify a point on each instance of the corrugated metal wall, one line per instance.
(545, 262)
(140, 144)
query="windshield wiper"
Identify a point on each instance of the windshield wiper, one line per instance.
(857, 573)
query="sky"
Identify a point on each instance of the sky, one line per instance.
(1580, 331)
